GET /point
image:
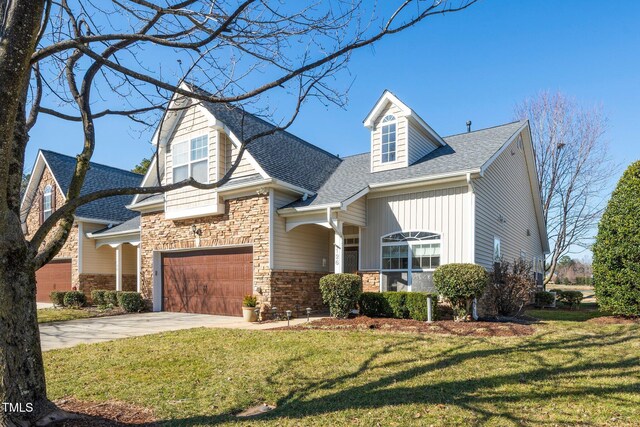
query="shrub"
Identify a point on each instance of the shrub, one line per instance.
(340, 292)
(131, 302)
(97, 297)
(374, 304)
(249, 301)
(57, 298)
(543, 299)
(616, 252)
(75, 299)
(460, 284)
(510, 288)
(111, 297)
(571, 298)
(399, 305)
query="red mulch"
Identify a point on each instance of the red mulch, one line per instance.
(104, 414)
(614, 320)
(449, 327)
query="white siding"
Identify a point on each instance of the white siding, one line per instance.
(401, 141)
(302, 248)
(419, 143)
(194, 123)
(245, 168)
(505, 192)
(97, 261)
(445, 211)
(356, 213)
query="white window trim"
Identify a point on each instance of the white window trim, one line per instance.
(410, 244)
(351, 236)
(189, 162)
(496, 258)
(383, 124)
(48, 192)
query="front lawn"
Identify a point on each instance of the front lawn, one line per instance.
(564, 374)
(46, 315)
(585, 312)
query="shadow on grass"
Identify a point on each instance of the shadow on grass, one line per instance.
(376, 388)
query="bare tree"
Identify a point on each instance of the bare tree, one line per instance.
(82, 60)
(573, 169)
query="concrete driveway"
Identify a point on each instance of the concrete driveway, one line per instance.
(99, 329)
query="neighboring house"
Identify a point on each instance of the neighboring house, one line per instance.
(93, 256)
(293, 212)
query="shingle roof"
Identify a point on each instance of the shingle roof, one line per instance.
(99, 177)
(463, 152)
(282, 155)
(131, 225)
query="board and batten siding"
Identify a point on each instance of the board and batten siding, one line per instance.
(355, 214)
(446, 211)
(419, 143)
(505, 193)
(304, 248)
(401, 141)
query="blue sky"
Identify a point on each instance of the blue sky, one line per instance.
(473, 65)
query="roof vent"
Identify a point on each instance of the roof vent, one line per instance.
(468, 125)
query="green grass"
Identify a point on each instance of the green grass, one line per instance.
(587, 311)
(46, 315)
(564, 374)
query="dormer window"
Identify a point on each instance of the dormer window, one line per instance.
(389, 139)
(47, 206)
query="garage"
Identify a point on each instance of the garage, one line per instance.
(207, 281)
(55, 276)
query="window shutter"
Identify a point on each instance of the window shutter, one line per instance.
(41, 207)
(53, 199)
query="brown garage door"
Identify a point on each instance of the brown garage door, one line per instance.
(207, 281)
(55, 276)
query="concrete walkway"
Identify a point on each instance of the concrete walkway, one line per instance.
(99, 329)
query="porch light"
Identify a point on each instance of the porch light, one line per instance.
(196, 231)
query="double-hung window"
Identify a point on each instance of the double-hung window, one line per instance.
(388, 139)
(190, 159)
(408, 260)
(47, 206)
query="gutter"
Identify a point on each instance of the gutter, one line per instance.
(117, 233)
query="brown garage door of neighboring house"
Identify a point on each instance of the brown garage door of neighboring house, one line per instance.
(55, 276)
(207, 281)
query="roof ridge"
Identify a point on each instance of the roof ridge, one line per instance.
(92, 163)
(483, 129)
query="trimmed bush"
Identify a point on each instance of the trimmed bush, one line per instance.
(75, 299)
(97, 297)
(543, 299)
(399, 305)
(374, 304)
(131, 302)
(111, 297)
(340, 292)
(571, 298)
(57, 298)
(616, 252)
(460, 284)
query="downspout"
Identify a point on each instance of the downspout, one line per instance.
(472, 234)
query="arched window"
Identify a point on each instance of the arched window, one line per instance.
(388, 138)
(408, 259)
(47, 206)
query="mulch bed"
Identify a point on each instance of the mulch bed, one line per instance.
(614, 320)
(104, 414)
(449, 327)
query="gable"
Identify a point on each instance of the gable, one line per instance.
(32, 208)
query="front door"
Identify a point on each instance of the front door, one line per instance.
(351, 260)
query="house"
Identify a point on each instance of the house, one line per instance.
(92, 257)
(292, 212)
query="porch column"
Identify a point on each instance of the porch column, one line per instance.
(339, 248)
(119, 267)
(138, 265)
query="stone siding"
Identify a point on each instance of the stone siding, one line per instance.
(70, 249)
(296, 290)
(245, 221)
(89, 282)
(370, 281)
